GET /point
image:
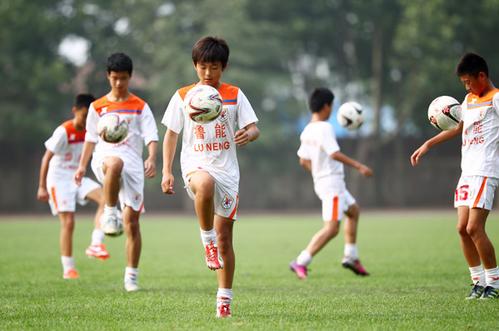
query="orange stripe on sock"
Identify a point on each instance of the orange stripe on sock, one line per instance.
(335, 209)
(54, 200)
(477, 200)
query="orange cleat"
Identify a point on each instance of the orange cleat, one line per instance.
(71, 274)
(97, 251)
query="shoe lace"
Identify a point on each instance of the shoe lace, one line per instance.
(211, 251)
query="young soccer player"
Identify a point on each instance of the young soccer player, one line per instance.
(209, 161)
(474, 194)
(56, 185)
(320, 154)
(119, 167)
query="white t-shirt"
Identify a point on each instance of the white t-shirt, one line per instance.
(211, 146)
(141, 127)
(66, 143)
(480, 145)
(318, 142)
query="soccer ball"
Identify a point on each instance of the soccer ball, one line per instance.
(112, 226)
(203, 103)
(444, 113)
(111, 129)
(350, 115)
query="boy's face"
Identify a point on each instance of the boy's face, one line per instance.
(209, 73)
(119, 80)
(80, 115)
(474, 84)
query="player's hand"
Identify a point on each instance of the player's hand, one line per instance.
(365, 170)
(149, 168)
(241, 137)
(167, 183)
(42, 194)
(418, 153)
(78, 176)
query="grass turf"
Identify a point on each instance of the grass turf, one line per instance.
(419, 278)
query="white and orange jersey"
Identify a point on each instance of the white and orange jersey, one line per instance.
(141, 127)
(480, 145)
(318, 142)
(66, 143)
(211, 146)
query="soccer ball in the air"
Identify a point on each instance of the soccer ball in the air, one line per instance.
(203, 103)
(350, 115)
(111, 129)
(444, 113)
(111, 226)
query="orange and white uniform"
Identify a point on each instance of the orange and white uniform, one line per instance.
(211, 146)
(66, 143)
(141, 130)
(480, 151)
(318, 142)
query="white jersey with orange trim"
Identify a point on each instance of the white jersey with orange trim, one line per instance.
(480, 145)
(211, 146)
(141, 127)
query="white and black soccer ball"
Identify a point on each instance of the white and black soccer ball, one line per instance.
(111, 129)
(444, 113)
(203, 103)
(111, 225)
(350, 115)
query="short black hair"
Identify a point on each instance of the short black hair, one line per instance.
(211, 49)
(472, 64)
(320, 97)
(119, 62)
(83, 100)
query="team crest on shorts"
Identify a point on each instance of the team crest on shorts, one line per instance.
(227, 201)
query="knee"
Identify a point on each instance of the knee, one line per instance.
(331, 229)
(114, 165)
(132, 227)
(473, 230)
(462, 230)
(353, 211)
(206, 188)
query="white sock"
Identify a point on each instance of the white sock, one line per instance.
(225, 292)
(208, 236)
(304, 258)
(351, 251)
(131, 274)
(68, 262)
(97, 237)
(110, 210)
(478, 275)
(492, 276)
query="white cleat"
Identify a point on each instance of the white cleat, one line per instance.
(111, 225)
(131, 286)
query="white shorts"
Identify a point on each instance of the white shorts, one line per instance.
(131, 182)
(226, 200)
(64, 194)
(475, 192)
(335, 205)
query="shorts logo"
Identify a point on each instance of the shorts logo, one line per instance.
(227, 202)
(137, 197)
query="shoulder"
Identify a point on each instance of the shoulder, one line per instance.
(134, 102)
(100, 104)
(229, 93)
(182, 92)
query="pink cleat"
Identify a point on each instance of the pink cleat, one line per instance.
(300, 270)
(71, 274)
(213, 259)
(223, 307)
(355, 266)
(97, 251)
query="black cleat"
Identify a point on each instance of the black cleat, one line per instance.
(476, 292)
(490, 293)
(355, 266)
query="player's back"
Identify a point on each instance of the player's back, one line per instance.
(66, 143)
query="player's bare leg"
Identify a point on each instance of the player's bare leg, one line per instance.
(66, 245)
(225, 276)
(133, 247)
(351, 258)
(97, 249)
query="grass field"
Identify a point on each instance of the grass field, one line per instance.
(419, 278)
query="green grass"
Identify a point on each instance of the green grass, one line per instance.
(419, 278)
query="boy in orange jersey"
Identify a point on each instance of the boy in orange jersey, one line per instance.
(56, 185)
(320, 154)
(474, 193)
(119, 167)
(211, 176)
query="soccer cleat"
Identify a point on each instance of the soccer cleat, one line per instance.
(355, 266)
(97, 251)
(476, 292)
(300, 270)
(111, 225)
(223, 307)
(71, 274)
(490, 293)
(213, 259)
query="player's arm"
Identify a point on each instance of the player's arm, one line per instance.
(247, 134)
(150, 162)
(306, 164)
(362, 168)
(439, 138)
(43, 194)
(169, 147)
(86, 154)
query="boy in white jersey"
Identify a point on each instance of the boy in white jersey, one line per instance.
(119, 167)
(320, 154)
(474, 193)
(209, 161)
(56, 185)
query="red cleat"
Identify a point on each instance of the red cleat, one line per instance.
(97, 251)
(213, 259)
(223, 307)
(355, 266)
